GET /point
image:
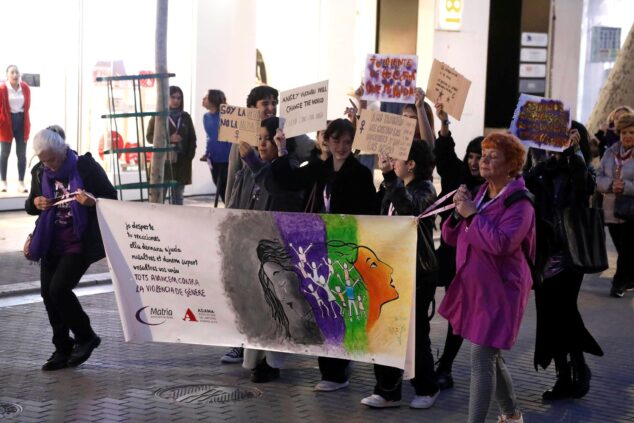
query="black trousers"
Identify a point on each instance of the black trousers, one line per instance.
(59, 275)
(389, 379)
(560, 329)
(623, 238)
(219, 172)
(334, 369)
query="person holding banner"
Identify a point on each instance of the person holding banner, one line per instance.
(339, 185)
(615, 178)
(407, 190)
(453, 173)
(255, 189)
(217, 152)
(494, 235)
(182, 136)
(66, 240)
(562, 181)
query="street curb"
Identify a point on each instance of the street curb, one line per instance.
(25, 288)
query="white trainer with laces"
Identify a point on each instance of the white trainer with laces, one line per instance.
(328, 386)
(377, 401)
(424, 401)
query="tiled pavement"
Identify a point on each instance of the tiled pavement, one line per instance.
(118, 384)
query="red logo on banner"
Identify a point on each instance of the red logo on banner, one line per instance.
(190, 316)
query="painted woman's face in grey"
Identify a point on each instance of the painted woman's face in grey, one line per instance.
(284, 281)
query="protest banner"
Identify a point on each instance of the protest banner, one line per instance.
(449, 87)
(324, 285)
(390, 77)
(384, 133)
(304, 108)
(239, 124)
(541, 123)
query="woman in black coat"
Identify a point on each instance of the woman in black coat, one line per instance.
(66, 240)
(407, 190)
(339, 185)
(562, 181)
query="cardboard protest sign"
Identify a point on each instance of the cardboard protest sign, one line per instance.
(239, 124)
(449, 87)
(387, 133)
(317, 284)
(541, 123)
(390, 77)
(304, 108)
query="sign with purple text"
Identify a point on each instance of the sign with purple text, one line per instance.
(390, 77)
(449, 87)
(317, 284)
(541, 123)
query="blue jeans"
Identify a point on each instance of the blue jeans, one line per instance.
(17, 123)
(177, 194)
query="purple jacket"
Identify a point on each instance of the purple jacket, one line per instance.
(486, 299)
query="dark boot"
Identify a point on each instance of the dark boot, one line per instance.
(581, 376)
(264, 373)
(444, 380)
(563, 386)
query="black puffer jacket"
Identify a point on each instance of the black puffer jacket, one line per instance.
(411, 200)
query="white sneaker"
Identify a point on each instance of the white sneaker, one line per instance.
(424, 402)
(328, 386)
(377, 401)
(21, 188)
(3, 186)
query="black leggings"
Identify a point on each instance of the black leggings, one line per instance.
(59, 275)
(622, 235)
(389, 379)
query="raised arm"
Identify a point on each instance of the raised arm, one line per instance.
(423, 123)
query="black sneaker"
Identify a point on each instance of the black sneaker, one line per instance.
(82, 351)
(617, 292)
(58, 360)
(264, 373)
(444, 380)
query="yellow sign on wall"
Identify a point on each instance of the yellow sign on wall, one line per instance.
(449, 14)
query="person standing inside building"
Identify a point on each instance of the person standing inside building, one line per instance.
(182, 136)
(15, 102)
(217, 152)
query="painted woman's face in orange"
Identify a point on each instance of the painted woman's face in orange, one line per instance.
(376, 275)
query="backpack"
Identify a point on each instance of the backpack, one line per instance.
(524, 194)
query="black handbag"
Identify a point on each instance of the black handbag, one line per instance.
(584, 233)
(624, 207)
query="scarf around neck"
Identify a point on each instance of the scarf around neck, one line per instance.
(45, 225)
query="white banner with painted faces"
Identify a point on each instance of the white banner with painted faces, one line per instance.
(324, 285)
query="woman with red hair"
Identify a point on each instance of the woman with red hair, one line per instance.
(494, 234)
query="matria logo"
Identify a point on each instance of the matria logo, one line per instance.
(161, 314)
(190, 316)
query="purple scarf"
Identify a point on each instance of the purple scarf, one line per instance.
(45, 225)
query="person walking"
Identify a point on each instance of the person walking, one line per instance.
(66, 240)
(494, 234)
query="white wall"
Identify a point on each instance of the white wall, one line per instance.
(312, 40)
(466, 51)
(566, 55)
(222, 57)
